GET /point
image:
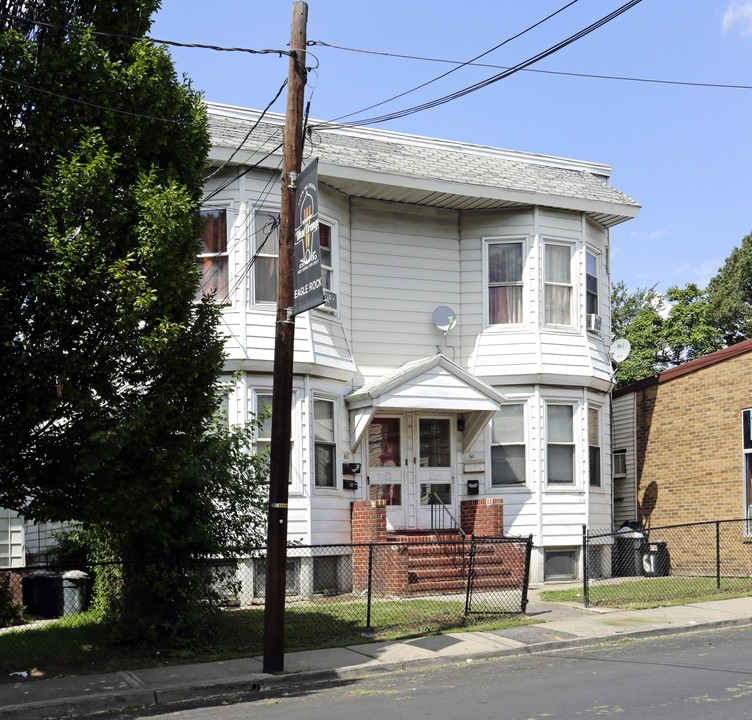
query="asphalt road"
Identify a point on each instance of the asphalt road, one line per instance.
(701, 675)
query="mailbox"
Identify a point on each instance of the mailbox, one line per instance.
(473, 487)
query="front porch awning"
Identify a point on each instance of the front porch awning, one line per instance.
(433, 383)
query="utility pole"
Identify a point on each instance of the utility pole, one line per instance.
(276, 562)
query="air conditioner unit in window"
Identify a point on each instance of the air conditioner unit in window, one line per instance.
(330, 301)
(593, 323)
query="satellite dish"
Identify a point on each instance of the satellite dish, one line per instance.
(620, 349)
(444, 318)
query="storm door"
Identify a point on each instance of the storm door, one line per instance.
(386, 468)
(435, 471)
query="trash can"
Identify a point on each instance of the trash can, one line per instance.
(655, 559)
(625, 558)
(74, 591)
(43, 593)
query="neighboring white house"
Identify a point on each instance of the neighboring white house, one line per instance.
(515, 396)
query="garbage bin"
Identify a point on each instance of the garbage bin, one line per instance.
(43, 593)
(74, 591)
(655, 559)
(625, 558)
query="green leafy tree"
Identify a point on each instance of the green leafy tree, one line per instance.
(730, 295)
(661, 335)
(108, 387)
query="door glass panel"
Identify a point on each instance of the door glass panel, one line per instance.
(391, 492)
(435, 442)
(384, 443)
(431, 493)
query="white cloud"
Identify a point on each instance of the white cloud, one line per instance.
(707, 270)
(738, 15)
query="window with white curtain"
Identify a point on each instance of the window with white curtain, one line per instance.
(558, 285)
(505, 265)
(508, 446)
(266, 254)
(560, 444)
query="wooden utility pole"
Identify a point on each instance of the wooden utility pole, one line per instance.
(276, 562)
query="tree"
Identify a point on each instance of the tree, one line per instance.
(730, 295)
(661, 335)
(110, 367)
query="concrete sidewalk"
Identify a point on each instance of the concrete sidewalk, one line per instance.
(564, 626)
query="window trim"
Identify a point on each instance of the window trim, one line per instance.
(255, 254)
(334, 268)
(336, 488)
(598, 410)
(525, 445)
(622, 453)
(524, 241)
(563, 486)
(228, 208)
(548, 241)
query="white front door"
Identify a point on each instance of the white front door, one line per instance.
(434, 471)
(386, 467)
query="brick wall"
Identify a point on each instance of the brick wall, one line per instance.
(483, 517)
(689, 445)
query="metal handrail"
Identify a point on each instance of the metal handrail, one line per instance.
(433, 500)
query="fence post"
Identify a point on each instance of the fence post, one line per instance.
(526, 577)
(585, 568)
(370, 574)
(470, 573)
(717, 555)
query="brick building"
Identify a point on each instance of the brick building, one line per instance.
(682, 442)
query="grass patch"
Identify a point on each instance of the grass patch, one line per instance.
(77, 644)
(653, 592)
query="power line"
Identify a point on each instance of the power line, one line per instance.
(594, 76)
(460, 65)
(500, 76)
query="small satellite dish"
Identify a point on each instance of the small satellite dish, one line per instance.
(444, 318)
(620, 349)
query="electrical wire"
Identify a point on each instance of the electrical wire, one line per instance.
(500, 76)
(534, 70)
(94, 105)
(460, 65)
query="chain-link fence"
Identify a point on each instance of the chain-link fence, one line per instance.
(335, 594)
(676, 563)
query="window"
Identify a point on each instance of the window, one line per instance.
(594, 447)
(747, 448)
(560, 448)
(560, 565)
(327, 267)
(505, 261)
(508, 446)
(325, 446)
(620, 463)
(213, 258)
(591, 282)
(264, 433)
(558, 286)
(266, 234)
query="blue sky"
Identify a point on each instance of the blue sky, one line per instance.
(683, 152)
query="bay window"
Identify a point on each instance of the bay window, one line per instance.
(213, 258)
(266, 257)
(558, 284)
(594, 447)
(325, 444)
(560, 444)
(508, 446)
(505, 266)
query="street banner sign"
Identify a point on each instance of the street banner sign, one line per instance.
(308, 282)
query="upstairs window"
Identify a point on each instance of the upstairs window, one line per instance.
(266, 257)
(505, 263)
(560, 447)
(508, 446)
(213, 258)
(594, 447)
(325, 444)
(558, 285)
(591, 280)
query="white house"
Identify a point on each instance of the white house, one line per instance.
(513, 396)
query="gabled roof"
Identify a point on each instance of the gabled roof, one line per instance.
(430, 384)
(383, 165)
(686, 368)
